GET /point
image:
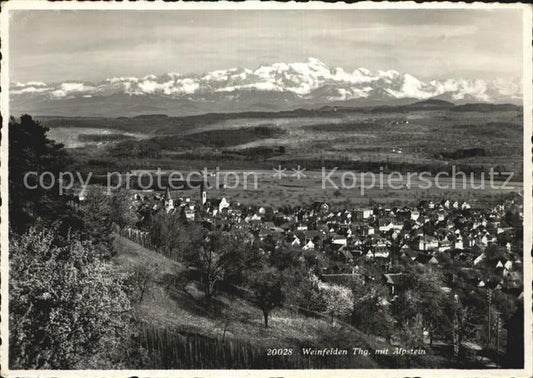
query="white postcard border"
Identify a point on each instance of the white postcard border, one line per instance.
(255, 5)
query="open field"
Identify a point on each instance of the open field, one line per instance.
(262, 188)
(89, 137)
(475, 137)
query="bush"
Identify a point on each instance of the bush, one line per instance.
(67, 309)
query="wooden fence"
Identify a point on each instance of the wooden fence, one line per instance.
(175, 350)
(137, 236)
(143, 239)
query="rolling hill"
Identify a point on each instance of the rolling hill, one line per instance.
(429, 134)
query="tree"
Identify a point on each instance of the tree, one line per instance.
(433, 302)
(423, 296)
(307, 295)
(214, 255)
(121, 209)
(314, 261)
(411, 334)
(283, 256)
(338, 299)
(143, 278)
(368, 299)
(176, 239)
(67, 309)
(94, 215)
(246, 257)
(30, 150)
(266, 286)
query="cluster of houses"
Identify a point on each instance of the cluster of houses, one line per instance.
(443, 233)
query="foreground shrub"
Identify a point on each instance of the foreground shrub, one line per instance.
(67, 309)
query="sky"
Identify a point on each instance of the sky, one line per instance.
(91, 45)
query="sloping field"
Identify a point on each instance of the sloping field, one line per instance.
(170, 309)
(184, 331)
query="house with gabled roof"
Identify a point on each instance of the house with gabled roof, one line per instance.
(508, 265)
(394, 282)
(339, 239)
(309, 245)
(295, 242)
(433, 261)
(387, 224)
(465, 205)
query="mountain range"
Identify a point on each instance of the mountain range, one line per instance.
(274, 87)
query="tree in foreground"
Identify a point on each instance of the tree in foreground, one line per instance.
(143, 278)
(121, 211)
(67, 309)
(30, 150)
(266, 286)
(94, 215)
(306, 295)
(425, 297)
(338, 299)
(214, 255)
(369, 314)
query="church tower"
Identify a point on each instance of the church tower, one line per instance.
(169, 202)
(203, 193)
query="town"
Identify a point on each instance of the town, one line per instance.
(429, 233)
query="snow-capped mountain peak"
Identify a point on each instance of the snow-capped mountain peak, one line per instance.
(309, 82)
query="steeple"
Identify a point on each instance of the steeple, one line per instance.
(203, 193)
(169, 202)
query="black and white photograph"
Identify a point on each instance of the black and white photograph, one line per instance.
(230, 189)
